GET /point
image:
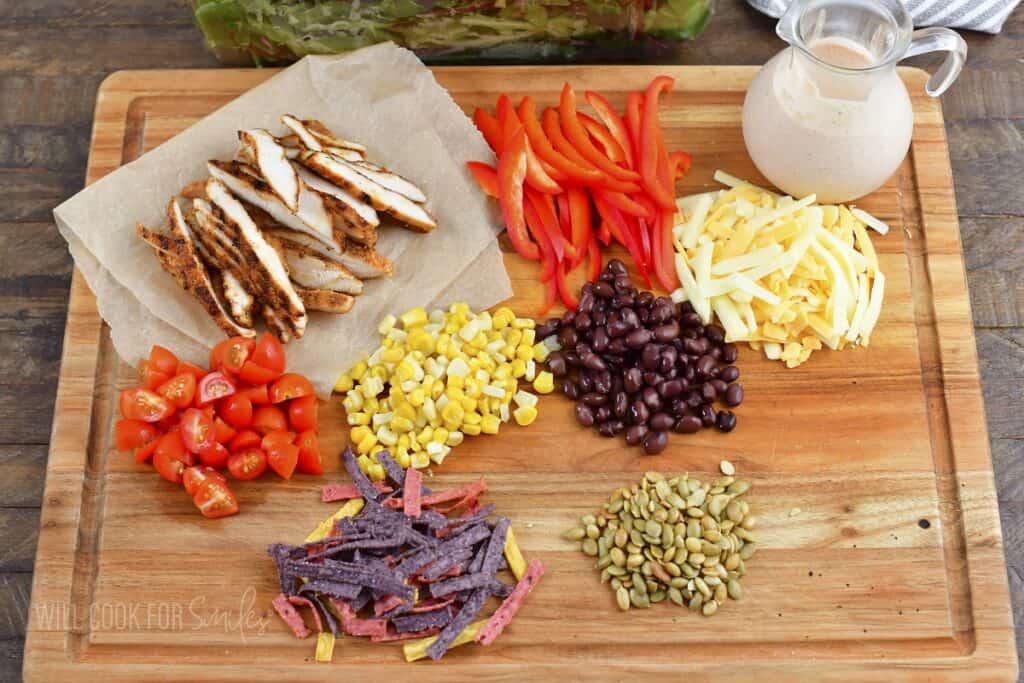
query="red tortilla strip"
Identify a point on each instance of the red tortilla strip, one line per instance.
(299, 601)
(386, 604)
(335, 492)
(290, 616)
(413, 491)
(432, 604)
(354, 626)
(471, 501)
(503, 615)
(468, 491)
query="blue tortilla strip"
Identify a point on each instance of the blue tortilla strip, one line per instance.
(318, 603)
(461, 583)
(450, 632)
(417, 561)
(392, 469)
(336, 571)
(282, 553)
(501, 589)
(336, 589)
(424, 620)
(496, 547)
(362, 600)
(445, 563)
(361, 481)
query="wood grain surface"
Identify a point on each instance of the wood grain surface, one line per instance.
(868, 443)
(59, 51)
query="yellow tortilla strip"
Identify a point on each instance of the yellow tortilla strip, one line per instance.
(516, 562)
(417, 649)
(349, 509)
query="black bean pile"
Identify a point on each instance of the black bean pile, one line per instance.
(642, 365)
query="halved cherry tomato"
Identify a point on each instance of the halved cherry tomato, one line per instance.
(149, 377)
(302, 413)
(258, 395)
(214, 456)
(214, 386)
(231, 354)
(197, 475)
(179, 390)
(290, 386)
(129, 434)
(269, 353)
(162, 360)
(275, 438)
(283, 458)
(167, 467)
(215, 499)
(197, 430)
(247, 464)
(309, 453)
(188, 368)
(143, 404)
(269, 419)
(236, 410)
(124, 402)
(246, 438)
(172, 446)
(144, 453)
(251, 373)
(222, 431)
(169, 423)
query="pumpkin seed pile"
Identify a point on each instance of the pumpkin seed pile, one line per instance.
(679, 538)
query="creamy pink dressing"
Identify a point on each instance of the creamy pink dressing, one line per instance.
(838, 133)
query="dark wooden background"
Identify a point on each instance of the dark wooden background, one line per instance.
(56, 52)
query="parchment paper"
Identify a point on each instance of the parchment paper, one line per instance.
(381, 96)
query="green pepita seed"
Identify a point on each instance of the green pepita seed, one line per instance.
(616, 571)
(695, 602)
(622, 598)
(678, 583)
(590, 547)
(634, 561)
(749, 522)
(615, 506)
(696, 559)
(747, 551)
(657, 596)
(709, 608)
(618, 557)
(653, 529)
(575, 534)
(593, 531)
(702, 586)
(675, 596)
(727, 468)
(694, 529)
(721, 593)
(735, 590)
(603, 561)
(587, 520)
(738, 487)
(621, 537)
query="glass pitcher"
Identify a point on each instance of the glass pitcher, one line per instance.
(829, 115)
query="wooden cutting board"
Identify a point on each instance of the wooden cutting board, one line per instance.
(880, 549)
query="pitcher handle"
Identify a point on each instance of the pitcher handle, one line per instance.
(937, 39)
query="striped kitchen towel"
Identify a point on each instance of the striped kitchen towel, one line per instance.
(975, 15)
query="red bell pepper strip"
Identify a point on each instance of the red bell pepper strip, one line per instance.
(577, 134)
(594, 256)
(511, 173)
(574, 172)
(665, 174)
(609, 145)
(642, 230)
(490, 128)
(628, 206)
(604, 235)
(485, 176)
(634, 120)
(679, 162)
(651, 145)
(536, 228)
(564, 220)
(567, 295)
(580, 221)
(664, 262)
(616, 126)
(549, 223)
(536, 176)
(550, 295)
(621, 230)
(558, 140)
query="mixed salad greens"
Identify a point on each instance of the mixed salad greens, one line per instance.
(276, 31)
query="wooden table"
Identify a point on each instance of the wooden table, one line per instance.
(59, 51)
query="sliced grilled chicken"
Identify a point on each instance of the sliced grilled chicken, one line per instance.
(312, 216)
(267, 272)
(328, 139)
(343, 174)
(364, 262)
(211, 234)
(160, 241)
(276, 324)
(323, 300)
(306, 138)
(194, 190)
(389, 179)
(183, 263)
(309, 269)
(269, 159)
(239, 299)
(361, 212)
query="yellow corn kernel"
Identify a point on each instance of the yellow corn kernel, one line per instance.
(505, 370)
(416, 397)
(414, 317)
(344, 383)
(364, 463)
(490, 424)
(440, 435)
(359, 433)
(518, 368)
(541, 352)
(544, 383)
(359, 419)
(402, 458)
(508, 351)
(422, 341)
(524, 323)
(376, 472)
(453, 413)
(387, 324)
(393, 355)
(525, 415)
(358, 369)
(472, 430)
(367, 442)
(456, 382)
(524, 353)
(402, 424)
(529, 338)
(415, 446)
(472, 418)
(406, 410)
(512, 336)
(381, 373)
(454, 438)
(372, 405)
(403, 442)
(420, 460)
(427, 434)
(468, 404)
